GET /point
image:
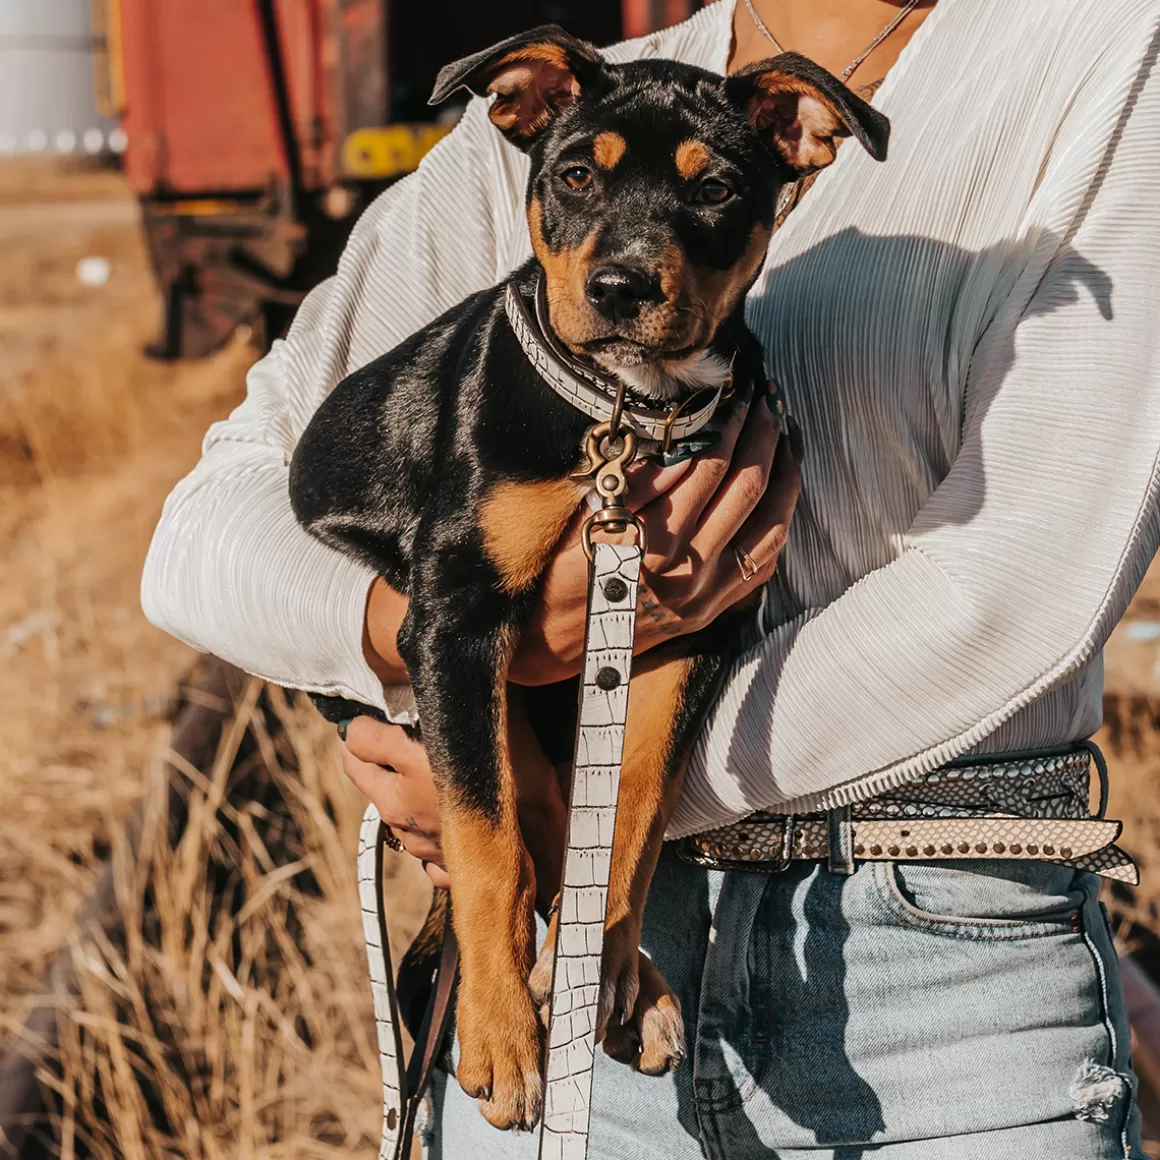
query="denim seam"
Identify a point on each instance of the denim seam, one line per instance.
(742, 1092)
(755, 1061)
(1113, 1039)
(1014, 930)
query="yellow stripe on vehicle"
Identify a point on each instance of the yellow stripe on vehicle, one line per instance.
(389, 151)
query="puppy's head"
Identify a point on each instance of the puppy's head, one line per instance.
(654, 184)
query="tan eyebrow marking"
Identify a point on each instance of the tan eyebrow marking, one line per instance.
(692, 157)
(608, 149)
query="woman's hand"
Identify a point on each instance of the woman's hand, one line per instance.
(391, 769)
(739, 495)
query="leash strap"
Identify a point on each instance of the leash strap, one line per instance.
(372, 839)
(403, 1090)
(610, 626)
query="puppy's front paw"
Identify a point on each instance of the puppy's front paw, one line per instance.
(652, 1040)
(619, 976)
(499, 1058)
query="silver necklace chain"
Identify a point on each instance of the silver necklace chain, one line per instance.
(905, 11)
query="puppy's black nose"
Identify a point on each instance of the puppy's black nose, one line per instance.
(618, 292)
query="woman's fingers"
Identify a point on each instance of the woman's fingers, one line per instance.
(391, 769)
(373, 781)
(669, 518)
(648, 481)
(394, 797)
(385, 744)
(764, 533)
(743, 488)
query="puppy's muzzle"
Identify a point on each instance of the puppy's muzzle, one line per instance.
(618, 292)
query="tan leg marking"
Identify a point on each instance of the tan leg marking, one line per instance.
(692, 157)
(608, 148)
(647, 795)
(522, 523)
(649, 789)
(493, 909)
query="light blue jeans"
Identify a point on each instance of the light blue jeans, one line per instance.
(960, 1011)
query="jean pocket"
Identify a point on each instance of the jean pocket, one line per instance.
(993, 900)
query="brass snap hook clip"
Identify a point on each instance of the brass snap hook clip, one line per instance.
(610, 448)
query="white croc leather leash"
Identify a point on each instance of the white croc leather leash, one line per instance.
(372, 839)
(403, 1086)
(609, 630)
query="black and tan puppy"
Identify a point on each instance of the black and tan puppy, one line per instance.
(447, 464)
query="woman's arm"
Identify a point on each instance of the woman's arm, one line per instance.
(1022, 561)
(229, 570)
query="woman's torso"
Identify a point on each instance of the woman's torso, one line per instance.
(891, 282)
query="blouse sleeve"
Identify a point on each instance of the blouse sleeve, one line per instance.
(229, 570)
(1023, 559)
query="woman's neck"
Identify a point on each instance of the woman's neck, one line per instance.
(830, 32)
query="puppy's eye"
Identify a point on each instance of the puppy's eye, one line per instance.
(713, 192)
(577, 177)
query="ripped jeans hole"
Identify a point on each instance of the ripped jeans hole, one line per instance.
(1095, 1090)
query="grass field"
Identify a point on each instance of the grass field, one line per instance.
(92, 437)
(247, 1060)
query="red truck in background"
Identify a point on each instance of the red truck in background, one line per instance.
(257, 130)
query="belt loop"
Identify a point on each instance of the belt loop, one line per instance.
(1102, 769)
(841, 841)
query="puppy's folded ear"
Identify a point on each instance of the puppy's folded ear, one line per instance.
(533, 75)
(799, 109)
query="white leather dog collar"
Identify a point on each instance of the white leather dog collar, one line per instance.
(587, 390)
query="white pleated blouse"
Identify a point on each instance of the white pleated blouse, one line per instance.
(967, 335)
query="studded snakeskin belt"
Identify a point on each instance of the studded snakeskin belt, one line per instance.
(1031, 806)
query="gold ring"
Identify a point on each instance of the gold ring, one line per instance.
(745, 563)
(391, 842)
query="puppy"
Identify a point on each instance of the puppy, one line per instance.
(453, 468)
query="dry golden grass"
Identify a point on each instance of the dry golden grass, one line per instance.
(232, 1018)
(242, 1059)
